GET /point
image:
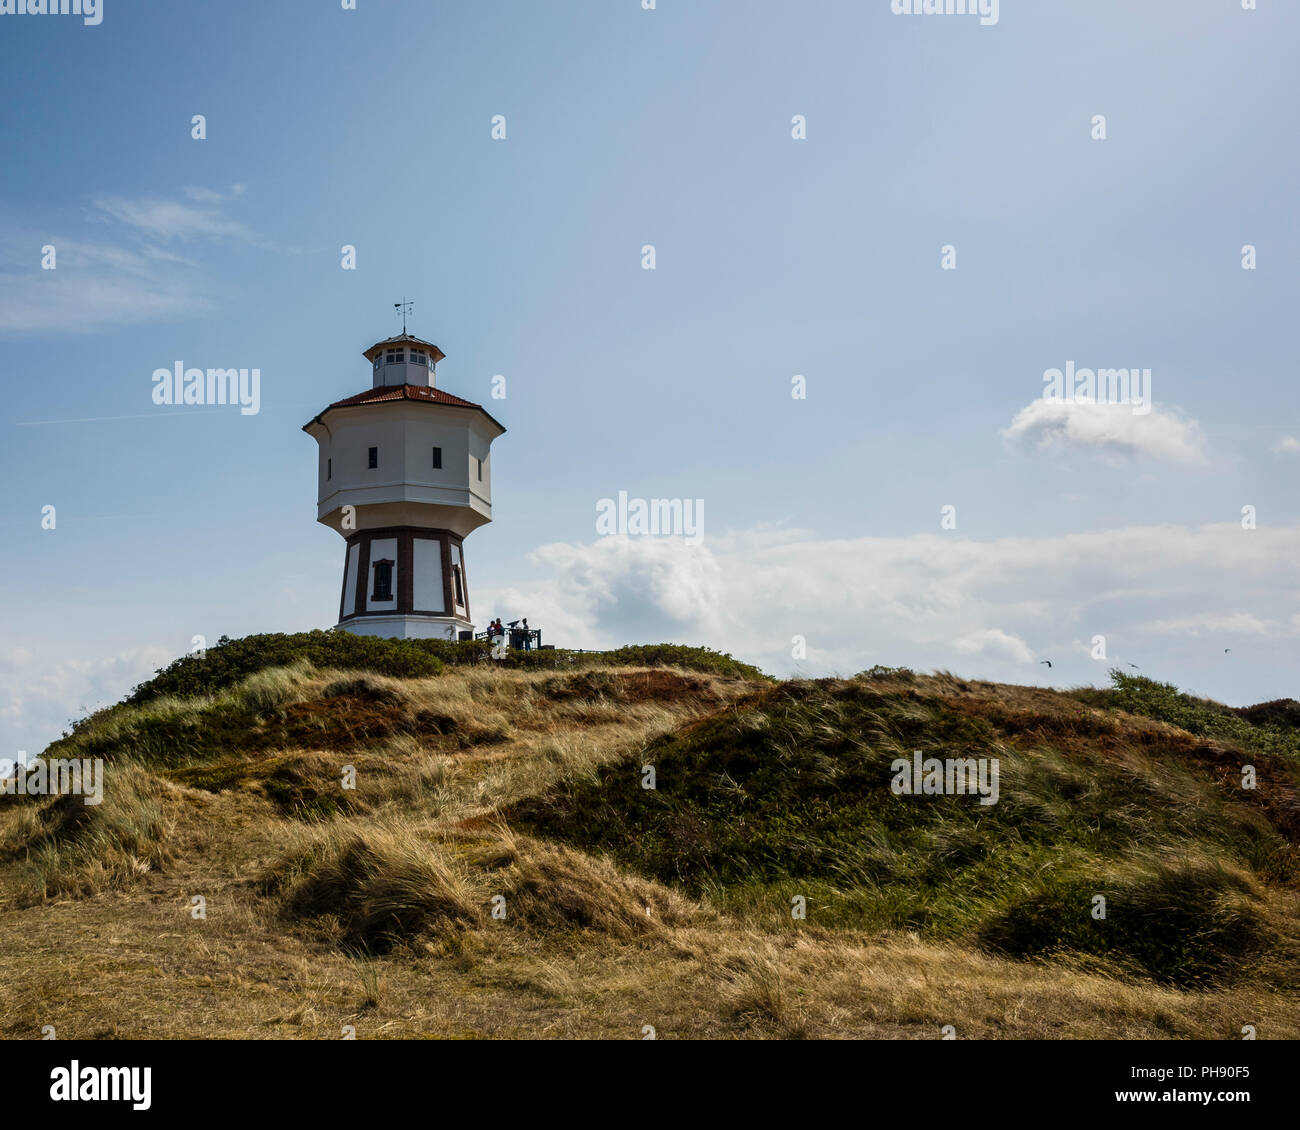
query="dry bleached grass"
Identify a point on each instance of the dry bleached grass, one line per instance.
(66, 847)
(380, 915)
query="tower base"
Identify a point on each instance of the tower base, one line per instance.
(408, 627)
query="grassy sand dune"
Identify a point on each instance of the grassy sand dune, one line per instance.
(422, 844)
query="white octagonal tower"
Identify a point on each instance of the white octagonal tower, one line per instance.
(405, 475)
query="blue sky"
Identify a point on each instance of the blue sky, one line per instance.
(774, 257)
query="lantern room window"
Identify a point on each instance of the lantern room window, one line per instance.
(395, 356)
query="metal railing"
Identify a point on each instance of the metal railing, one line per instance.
(517, 638)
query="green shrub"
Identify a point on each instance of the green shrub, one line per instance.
(1269, 726)
(679, 655)
(231, 661)
(1182, 923)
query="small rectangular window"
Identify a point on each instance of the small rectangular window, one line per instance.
(383, 581)
(480, 470)
(329, 468)
(418, 357)
(374, 457)
(395, 356)
(437, 458)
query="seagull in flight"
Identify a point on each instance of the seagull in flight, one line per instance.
(1047, 661)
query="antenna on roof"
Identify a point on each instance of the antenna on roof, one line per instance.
(405, 306)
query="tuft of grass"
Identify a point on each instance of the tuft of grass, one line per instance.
(555, 888)
(758, 995)
(383, 885)
(367, 687)
(377, 885)
(65, 847)
(373, 984)
(269, 690)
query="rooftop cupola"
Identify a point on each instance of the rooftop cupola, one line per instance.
(403, 360)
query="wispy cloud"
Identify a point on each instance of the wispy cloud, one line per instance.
(1218, 624)
(142, 277)
(212, 195)
(93, 286)
(169, 220)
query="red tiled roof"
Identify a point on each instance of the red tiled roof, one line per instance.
(388, 393)
(404, 392)
(404, 339)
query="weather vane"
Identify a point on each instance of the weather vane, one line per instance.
(405, 306)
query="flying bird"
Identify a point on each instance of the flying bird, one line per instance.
(1135, 667)
(1047, 661)
(1226, 650)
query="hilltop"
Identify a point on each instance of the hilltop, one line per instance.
(499, 868)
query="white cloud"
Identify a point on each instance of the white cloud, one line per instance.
(932, 600)
(1108, 429)
(994, 641)
(41, 694)
(1288, 445)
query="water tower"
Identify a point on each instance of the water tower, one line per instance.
(405, 475)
